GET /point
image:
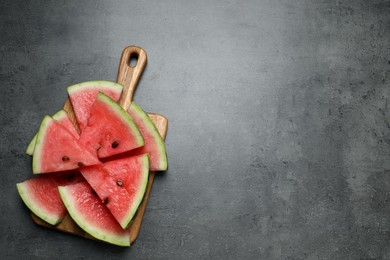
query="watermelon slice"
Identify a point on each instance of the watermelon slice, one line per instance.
(62, 118)
(154, 144)
(90, 213)
(110, 129)
(41, 196)
(56, 149)
(105, 205)
(120, 184)
(83, 95)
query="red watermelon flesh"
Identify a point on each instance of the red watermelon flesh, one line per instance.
(110, 129)
(56, 149)
(41, 196)
(83, 95)
(90, 213)
(62, 118)
(154, 144)
(120, 184)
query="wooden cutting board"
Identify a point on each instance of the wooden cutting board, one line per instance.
(128, 76)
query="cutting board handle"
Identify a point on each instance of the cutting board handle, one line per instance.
(129, 75)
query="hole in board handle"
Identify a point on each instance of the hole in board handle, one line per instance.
(133, 60)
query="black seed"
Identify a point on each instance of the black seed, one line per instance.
(65, 158)
(80, 164)
(94, 192)
(120, 183)
(105, 201)
(71, 177)
(115, 144)
(98, 148)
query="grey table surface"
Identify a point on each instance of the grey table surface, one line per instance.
(279, 124)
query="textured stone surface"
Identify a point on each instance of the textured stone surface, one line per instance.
(279, 135)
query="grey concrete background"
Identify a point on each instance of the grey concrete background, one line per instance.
(279, 134)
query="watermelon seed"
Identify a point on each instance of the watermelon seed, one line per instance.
(71, 178)
(120, 183)
(80, 164)
(105, 201)
(115, 144)
(65, 158)
(98, 148)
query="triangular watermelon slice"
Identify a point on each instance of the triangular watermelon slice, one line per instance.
(62, 118)
(120, 184)
(41, 196)
(110, 129)
(83, 95)
(154, 144)
(56, 149)
(90, 213)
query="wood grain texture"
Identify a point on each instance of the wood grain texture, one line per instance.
(127, 76)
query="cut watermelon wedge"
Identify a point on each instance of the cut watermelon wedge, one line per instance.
(110, 129)
(41, 196)
(56, 149)
(154, 144)
(90, 213)
(83, 95)
(120, 184)
(62, 118)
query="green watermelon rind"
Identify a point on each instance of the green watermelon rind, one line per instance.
(31, 145)
(83, 223)
(113, 86)
(163, 162)
(117, 109)
(57, 116)
(37, 149)
(141, 191)
(24, 193)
